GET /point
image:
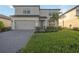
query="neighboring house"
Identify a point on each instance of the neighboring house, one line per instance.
(31, 16)
(70, 18)
(6, 20)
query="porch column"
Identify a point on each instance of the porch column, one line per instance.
(46, 23)
(13, 24)
(37, 23)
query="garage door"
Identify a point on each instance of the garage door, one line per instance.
(24, 24)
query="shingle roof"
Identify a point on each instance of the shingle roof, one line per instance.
(28, 16)
(50, 9)
(25, 16)
(70, 10)
(5, 17)
(26, 5)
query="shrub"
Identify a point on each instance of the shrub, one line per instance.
(48, 29)
(6, 29)
(60, 28)
(76, 28)
(51, 29)
(37, 29)
(1, 25)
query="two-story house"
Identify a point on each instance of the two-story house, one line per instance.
(31, 16)
(70, 18)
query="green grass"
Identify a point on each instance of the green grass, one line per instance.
(63, 41)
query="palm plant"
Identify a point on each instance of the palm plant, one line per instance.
(53, 21)
(54, 18)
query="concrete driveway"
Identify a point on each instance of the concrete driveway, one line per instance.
(12, 41)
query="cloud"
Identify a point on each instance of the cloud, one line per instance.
(10, 6)
(64, 10)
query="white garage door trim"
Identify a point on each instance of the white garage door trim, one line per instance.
(24, 24)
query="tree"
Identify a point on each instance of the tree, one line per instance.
(1, 25)
(53, 21)
(54, 18)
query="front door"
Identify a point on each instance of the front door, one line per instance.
(42, 24)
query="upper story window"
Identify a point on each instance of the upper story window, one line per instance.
(26, 11)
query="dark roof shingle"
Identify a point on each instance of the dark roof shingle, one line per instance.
(5, 17)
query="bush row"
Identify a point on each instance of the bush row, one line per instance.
(75, 28)
(48, 29)
(5, 29)
(54, 29)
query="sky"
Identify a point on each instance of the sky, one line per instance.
(9, 10)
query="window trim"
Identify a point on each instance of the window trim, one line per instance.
(26, 11)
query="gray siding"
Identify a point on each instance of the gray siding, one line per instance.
(45, 12)
(33, 10)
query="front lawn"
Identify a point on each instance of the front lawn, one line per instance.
(62, 41)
